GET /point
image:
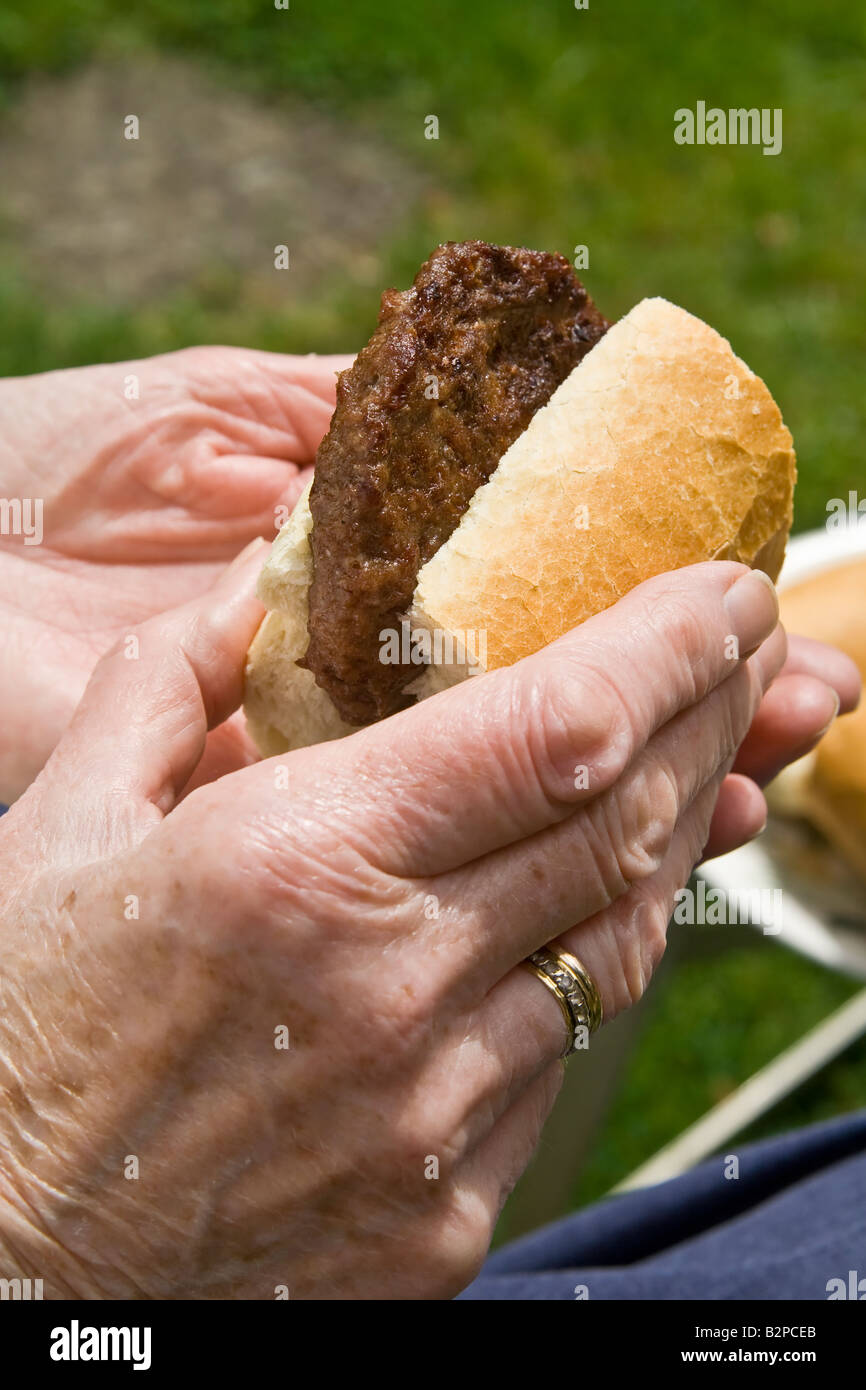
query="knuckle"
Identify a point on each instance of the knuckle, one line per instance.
(406, 1008)
(298, 864)
(200, 822)
(635, 827)
(201, 357)
(459, 1245)
(638, 857)
(653, 810)
(108, 659)
(258, 877)
(391, 1024)
(120, 660)
(421, 1132)
(640, 946)
(675, 604)
(571, 715)
(672, 611)
(677, 618)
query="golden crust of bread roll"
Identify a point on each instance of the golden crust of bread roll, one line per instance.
(660, 449)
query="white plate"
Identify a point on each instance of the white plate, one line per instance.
(823, 905)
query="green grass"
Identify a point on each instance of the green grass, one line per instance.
(556, 129)
(714, 1022)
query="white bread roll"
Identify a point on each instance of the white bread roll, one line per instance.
(283, 705)
(660, 449)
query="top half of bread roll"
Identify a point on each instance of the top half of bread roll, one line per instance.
(661, 449)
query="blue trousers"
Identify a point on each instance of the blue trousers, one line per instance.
(787, 1227)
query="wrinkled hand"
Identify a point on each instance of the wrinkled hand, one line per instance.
(145, 500)
(373, 897)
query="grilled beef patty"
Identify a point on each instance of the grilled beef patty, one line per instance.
(454, 372)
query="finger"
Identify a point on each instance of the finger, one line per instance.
(623, 946)
(296, 394)
(521, 896)
(740, 815)
(525, 1049)
(140, 729)
(243, 490)
(806, 657)
(461, 1222)
(794, 714)
(315, 372)
(287, 400)
(504, 756)
(228, 748)
(490, 1172)
(283, 403)
(517, 1030)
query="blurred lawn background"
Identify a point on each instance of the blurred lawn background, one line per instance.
(556, 129)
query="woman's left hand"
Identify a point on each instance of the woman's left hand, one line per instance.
(149, 477)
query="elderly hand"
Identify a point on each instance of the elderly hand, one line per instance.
(151, 476)
(274, 1035)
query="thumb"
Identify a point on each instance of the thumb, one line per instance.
(141, 726)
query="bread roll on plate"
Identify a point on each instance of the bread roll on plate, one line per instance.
(828, 786)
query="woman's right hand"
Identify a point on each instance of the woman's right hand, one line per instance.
(366, 902)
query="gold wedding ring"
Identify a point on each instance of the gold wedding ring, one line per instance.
(573, 988)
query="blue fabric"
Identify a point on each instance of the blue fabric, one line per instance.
(793, 1220)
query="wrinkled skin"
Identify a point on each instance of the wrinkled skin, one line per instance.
(373, 896)
(145, 502)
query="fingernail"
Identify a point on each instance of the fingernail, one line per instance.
(831, 721)
(753, 608)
